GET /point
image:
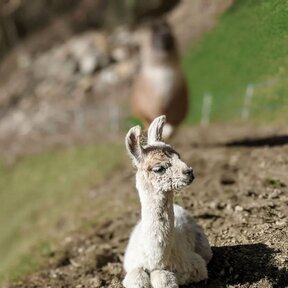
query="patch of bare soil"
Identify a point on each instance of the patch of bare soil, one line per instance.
(240, 196)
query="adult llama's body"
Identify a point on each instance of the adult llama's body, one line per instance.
(166, 248)
(160, 87)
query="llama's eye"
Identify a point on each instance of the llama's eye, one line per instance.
(159, 169)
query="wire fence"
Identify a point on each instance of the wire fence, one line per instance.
(258, 100)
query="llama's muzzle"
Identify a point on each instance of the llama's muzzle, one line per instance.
(189, 175)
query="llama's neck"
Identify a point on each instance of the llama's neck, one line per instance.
(157, 211)
(151, 57)
(157, 224)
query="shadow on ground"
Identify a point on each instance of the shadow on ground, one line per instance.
(244, 264)
(270, 141)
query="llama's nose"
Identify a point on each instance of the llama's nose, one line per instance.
(188, 172)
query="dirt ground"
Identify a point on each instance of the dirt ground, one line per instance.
(240, 196)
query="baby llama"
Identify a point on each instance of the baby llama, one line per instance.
(166, 248)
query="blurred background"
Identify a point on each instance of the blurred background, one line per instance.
(67, 69)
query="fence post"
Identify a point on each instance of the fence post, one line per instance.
(247, 102)
(206, 109)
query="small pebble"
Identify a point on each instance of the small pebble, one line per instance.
(238, 208)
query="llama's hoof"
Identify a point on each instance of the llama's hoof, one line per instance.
(197, 271)
(137, 278)
(200, 272)
(163, 279)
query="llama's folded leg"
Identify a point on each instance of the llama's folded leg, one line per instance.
(137, 278)
(202, 246)
(196, 272)
(163, 279)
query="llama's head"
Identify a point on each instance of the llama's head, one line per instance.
(162, 38)
(157, 43)
(158, 165)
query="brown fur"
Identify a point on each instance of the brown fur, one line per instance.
(146, 102)
(157, 155)
(146, 106)
(154, 158)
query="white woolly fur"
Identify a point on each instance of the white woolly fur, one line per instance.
(166, 248)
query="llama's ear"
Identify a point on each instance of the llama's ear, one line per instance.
(155, 130)
(133, 145)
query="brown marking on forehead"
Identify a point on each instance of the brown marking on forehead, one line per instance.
(165, 149)
(155, 155)
(153, 158)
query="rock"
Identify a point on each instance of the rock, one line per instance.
(238, 208)
(229, 208)
(120, 54)
(115, 284)
(95, 282)
(123, 44)
(217, 205)
(85, 53)
(281, 222)
(275, 194)
(88, 64)
(107, 77)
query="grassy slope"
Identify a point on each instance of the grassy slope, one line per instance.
(248, 46)
(37, 191)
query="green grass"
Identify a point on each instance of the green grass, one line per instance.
(248, 46)
(37, 192)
